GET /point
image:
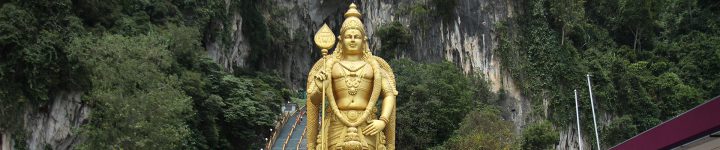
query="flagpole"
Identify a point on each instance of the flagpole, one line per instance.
(577, 117)
(592, 105)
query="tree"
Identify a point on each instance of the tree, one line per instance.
(539, 135)
(619, 130)
(482, 129)
(639, 18)
(568, 14)
(135, 104)
(434, 99)
(394, 38)
(33, 61)
(142, 68)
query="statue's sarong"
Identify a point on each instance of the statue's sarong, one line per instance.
(344, 137)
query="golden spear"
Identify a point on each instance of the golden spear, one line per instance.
(324, 39)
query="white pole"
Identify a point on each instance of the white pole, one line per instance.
(577, 117)
(592, 105)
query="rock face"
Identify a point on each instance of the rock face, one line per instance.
(53, 127)
(569, 139)
(468, 39)
(5, 141)
(237, 51)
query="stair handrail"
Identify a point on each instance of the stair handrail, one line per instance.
(278, 129)
(297, 120)
(301, 138)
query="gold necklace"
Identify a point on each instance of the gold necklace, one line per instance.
(353, 70)
(353, 78)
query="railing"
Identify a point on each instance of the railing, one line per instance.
(278, 128)
(301, 138)
(276, 132)
(297, 121)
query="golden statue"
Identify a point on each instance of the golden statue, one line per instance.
(352, 80)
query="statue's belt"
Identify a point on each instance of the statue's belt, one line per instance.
(353, 115)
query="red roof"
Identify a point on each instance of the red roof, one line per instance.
(693, 124)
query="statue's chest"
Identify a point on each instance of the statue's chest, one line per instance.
(354, 78)
(352, 71)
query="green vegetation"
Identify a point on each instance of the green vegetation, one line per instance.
(482, 129)
(645, 58)
(254, 26)
(394, 39)
(421, 13)
(540, 135)
(622, 127)
(120, 118)
(434, 99)
(420, 16)
(32, 58)
(445, 9)
(143, 70)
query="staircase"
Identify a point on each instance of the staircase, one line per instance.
(291, 136)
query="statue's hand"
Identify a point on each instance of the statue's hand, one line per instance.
(319, 77)
(374, 127)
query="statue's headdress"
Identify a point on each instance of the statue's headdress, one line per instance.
(352, 20)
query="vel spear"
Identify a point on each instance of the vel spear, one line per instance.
(324, 39)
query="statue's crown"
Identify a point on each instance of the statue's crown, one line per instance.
(352, 20)
(352, 12)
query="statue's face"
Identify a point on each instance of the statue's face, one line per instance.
(353, 39)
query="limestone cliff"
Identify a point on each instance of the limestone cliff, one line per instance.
(467, 39)
(55, 126)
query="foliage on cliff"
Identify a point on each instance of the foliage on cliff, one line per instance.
(143, 69)
(649, 60)
(394, 38)
(434, 98)
(540, 135)
(482, 128)
(127, 84)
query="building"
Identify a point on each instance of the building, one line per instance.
(289, 107)
(698, 128)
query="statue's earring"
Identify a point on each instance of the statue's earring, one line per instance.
(339, 46)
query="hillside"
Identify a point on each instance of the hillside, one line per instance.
(182, 74)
